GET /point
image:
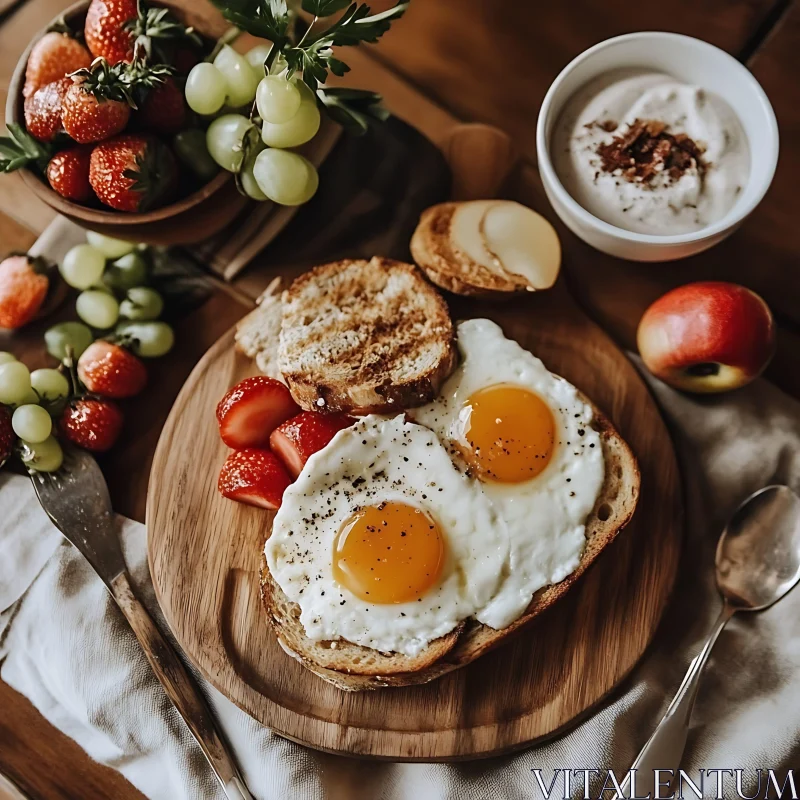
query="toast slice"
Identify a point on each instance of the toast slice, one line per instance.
(365, 337)
(453, 245)
(257, 333)
(354, 668)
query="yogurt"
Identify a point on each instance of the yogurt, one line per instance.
(666, 201)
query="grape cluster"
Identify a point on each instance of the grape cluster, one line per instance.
(288, 116)
(33, 398)
(114, 303)
(111, 275)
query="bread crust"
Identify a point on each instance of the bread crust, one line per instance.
(365, 337)
(257, 333)
(450, 267)
(613, 510)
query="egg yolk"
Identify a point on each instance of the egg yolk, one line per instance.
(390, 553)
(508, 433)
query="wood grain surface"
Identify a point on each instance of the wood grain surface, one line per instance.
(535, 686)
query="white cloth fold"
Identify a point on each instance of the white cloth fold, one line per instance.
(64, 645)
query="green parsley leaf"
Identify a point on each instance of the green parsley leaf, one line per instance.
(353, 109)
(356, 25)
(324, 8)
(19, 149)
(267, 19)
(314, 61)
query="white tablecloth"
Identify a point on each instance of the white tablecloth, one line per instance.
(64, 645)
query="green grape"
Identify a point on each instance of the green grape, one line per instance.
(5, 357)
(15, 383)
(46, 456)
(256, 57)
(285, 178)
(49, 384)
(32, 423)
(30, 399)
(141, 303)
(110, 248)
(248, 179)
(302, 127)
(190, 147)
(224, 139)
(277, 99)
(148, 339)
(98, 309)
(239, 76)
(82, 266)
(205, 89)
(68, 334)
(126, 272)
(311, 186)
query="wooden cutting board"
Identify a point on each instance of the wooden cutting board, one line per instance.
(205, 551)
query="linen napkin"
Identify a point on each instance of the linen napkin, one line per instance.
(64, 646)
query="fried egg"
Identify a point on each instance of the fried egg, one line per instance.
(526, 436)
(383, 542)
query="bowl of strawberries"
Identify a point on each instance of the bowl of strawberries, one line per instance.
(142, 122)
(100, 130)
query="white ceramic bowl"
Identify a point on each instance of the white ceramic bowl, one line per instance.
(689, 60)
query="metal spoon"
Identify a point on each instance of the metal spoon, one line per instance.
(758, 562)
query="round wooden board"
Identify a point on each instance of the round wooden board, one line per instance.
(205, 552)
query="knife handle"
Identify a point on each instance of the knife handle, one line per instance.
(180, 688)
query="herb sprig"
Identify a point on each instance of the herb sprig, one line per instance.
(312, 54)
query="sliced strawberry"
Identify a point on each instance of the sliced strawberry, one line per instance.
(297, 439)
(254, 476)
(250, 411)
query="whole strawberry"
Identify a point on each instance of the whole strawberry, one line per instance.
(53, 57)
(111, 371)
(132, 172)
(43, 110)
(92, 424)
(23, 289)
(98, 104)
(164, 109)
(7, 437)
(108, 29)
(68, 173)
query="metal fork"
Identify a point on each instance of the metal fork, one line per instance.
(77, 501)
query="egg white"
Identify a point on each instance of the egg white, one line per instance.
(544, 516)
(385, 459)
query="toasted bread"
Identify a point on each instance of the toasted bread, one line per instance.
(365, 337)
(438, 246)
(257, 333)
(354, 668)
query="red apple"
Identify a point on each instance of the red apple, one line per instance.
(709, 336)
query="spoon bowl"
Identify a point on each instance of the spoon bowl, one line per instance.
(758, 562)
(758, 555)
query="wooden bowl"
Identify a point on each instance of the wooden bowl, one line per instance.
(187, 221)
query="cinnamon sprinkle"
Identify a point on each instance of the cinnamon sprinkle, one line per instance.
(646, 149)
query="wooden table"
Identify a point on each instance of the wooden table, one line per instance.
(451, 60)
